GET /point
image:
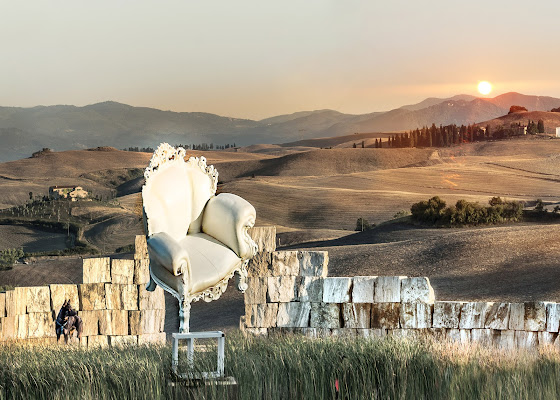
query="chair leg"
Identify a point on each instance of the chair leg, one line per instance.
(184, 316)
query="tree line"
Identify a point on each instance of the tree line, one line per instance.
(194, 146)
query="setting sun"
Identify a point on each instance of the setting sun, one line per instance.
(484, 87)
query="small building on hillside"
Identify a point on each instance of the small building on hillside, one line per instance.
(67, 192)
(558, 131)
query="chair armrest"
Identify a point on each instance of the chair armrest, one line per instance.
(168, 252)
(227, 218)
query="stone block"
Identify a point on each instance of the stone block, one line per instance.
(309, 288)
(483, 337)
(243, 321)
(264, 315)
(2, 304)
(535, 316)
(505, 339)
(130, 297)
(293, 315)
(552, 317)
(281, 289)
(92, 296)
(356, 315)
(122, 271)
(336, 289)
(497, 316)
(10, 303)
(16, 301)
(257, 331)
(473, 315)
(416, 315)
(113, 296)
(405, 333)
(517, 316)
(38, 299)
(307, 332)
(113, 322)
(285, 263)
(84, 341)
(90, 321)
(123, 341)
(256, 290)
(363, 289)
(152, 339)
(325, 315)
(248, 317)
(22, 326)
(313, 263)
(526, 340)
(385, 315)
(41, 325)
(388, 289)
(446, 314)
(151, 300)
(9, 328)
(260, 265)
(140, 248)
(264, 237)
(371, 333)
(96, 270)
(344, 332)
(98, 341)
(417, 290)
(61, 293)
(462, 336)
(146, 321)
(141, 271)
(546, 338)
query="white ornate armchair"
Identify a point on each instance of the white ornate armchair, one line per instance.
(196, 240)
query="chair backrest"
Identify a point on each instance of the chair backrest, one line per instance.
(176, 192)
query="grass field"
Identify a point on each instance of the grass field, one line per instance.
(287, 368)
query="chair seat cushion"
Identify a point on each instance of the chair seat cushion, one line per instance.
(210, 261)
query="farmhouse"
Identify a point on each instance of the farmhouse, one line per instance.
(558, 131)
(65, 192)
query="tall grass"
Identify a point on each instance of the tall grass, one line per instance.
(286, 368)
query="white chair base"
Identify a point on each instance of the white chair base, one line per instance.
(190, 338)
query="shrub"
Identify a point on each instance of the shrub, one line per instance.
(514, 109)
(362, 224)
(9, 256)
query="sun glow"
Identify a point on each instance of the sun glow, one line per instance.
(484, 87)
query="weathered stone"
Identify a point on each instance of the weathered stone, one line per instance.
(416, 315)
(250, 309)
(140, 247)
(146, 321)
(405, 333)
(356, 315)
(2, 305)
(92, 296)
(546, 338)
(96, 270)
(256, 331)
(130, 297)
(9, 328)
(497, 316)
(462, 336)
(260, 265)
(43, 341)
(141, 271)
(123, 341)
(84, 341)
(417, 290)
(505, 339)
(371, 333)
(336, 289)
(256, 290)
(517, 316)
(325, 315)
(473, 315)
(552, 317)
(264, 237)
(526, 340)
(294, 315)
(344, 332)
(281, 289)
(438, 333)
(307, 332)
(363, 288)
(483, 337)
(16, 301)
(385, 315)
(285, 263)
(41, 325)
(10, 303)
(264, 315)
(388, 289)
(38, 299)
(152, 338)
(113, 322)
(113, 296)
(61, 293)
(535, 316)
(242, 321)
(98, 341)
(22, 326)
(446, 314)
(90, 320)
(309, 288)
(313, 263)
(151, 300)
(122, 271)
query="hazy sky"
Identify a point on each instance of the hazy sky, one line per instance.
(259, 58)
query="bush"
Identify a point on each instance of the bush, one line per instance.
(362, 224)
(401, 214)
(514, 109)
(9, 256)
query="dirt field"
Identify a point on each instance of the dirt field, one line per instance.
(32, 240)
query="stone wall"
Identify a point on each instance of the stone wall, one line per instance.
(112, 302)
(289, 292)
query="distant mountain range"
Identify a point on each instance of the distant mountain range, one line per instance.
(26, 130)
